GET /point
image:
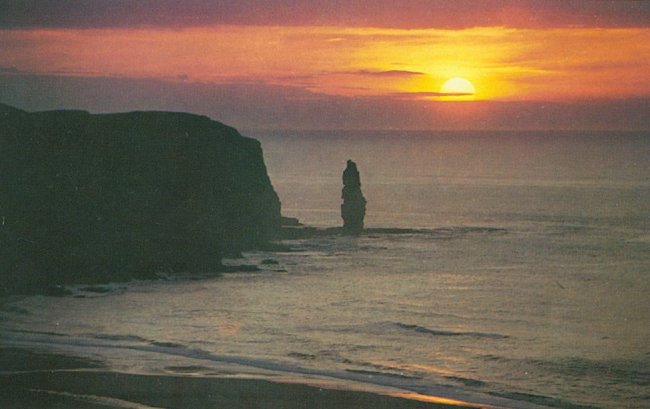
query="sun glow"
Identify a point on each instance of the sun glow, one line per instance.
(458, 88)
(439, 399)
(484, 63)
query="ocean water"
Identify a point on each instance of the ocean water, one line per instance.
(525, 284)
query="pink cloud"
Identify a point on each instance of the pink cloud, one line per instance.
(409, 13)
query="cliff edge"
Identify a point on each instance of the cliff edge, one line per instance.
(87, 198)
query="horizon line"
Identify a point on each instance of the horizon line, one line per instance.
(509, 130)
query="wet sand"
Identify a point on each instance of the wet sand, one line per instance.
(42, 380)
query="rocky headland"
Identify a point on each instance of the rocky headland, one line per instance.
(108, 197)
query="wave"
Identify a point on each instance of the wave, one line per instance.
(446, 333)
(619, 371)
(110, 337)
(298, 235)
(379, 376)
(627, 379)
(378, 373)
(466, 381)
(541, 400)
(190, 369)
(167, 344)
(101, 401)
(440, 232)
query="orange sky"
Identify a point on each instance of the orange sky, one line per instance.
(531, 62)
(502, 63)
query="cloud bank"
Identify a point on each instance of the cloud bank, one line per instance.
(262, 107)
(382, 13)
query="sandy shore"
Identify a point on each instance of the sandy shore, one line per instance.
(43, 380)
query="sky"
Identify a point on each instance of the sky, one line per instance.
(332, 64)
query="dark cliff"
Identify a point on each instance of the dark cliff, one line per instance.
(86, 198)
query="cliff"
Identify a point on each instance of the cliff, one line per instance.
(87, 198)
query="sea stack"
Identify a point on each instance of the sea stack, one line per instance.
(353, 209)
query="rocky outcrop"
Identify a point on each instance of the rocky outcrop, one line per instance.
(86, 198)
(353, 209)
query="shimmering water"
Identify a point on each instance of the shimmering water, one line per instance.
(526, 285)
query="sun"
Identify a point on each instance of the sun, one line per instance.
(457, 87)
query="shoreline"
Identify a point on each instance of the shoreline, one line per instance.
(36, 379)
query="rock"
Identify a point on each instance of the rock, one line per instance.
(353, 209)
(94, 198)
(56, 291)
(290, 222)
(241, 268)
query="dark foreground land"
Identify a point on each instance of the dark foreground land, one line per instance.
(43, 380)
(103, 198)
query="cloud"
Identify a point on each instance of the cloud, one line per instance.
(388, 73)
(383, 13)
(501, 63)
(264, 106)
(421, 95)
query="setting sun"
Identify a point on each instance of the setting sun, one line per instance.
(458, 87)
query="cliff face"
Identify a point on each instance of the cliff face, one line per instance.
(104, 197)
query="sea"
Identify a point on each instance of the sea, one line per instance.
(509, 269)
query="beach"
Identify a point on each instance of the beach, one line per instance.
(48, 380)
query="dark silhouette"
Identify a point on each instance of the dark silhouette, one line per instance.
(92, 198)
(353, 209)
